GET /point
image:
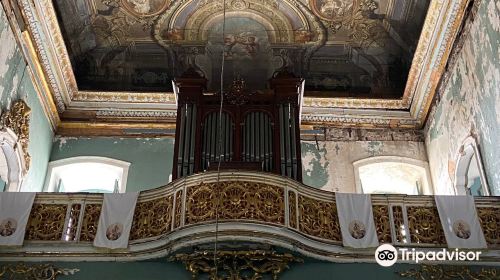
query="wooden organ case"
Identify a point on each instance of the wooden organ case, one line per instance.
(259, 131)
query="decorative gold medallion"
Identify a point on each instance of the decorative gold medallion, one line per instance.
(114, 231)
(145, 8)
(8, 227)
(461, 229)
(357, 229)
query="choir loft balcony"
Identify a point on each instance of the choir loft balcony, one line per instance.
(254, 207)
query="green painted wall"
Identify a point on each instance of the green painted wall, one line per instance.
(470, 104)
(164, 270)
(15, 84)
(150, 158)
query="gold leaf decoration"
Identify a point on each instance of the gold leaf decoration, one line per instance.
(236, 265)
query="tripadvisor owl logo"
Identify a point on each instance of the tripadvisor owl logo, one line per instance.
(386, 255)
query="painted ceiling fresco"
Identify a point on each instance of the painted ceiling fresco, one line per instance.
(343, 48)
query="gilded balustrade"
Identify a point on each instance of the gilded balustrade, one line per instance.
(248, 198)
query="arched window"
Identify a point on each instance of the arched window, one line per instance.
(13, 164)
(469, 174)
(392, 175)
(87, 174)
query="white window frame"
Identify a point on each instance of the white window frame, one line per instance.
(15, 158)
(49, 184)
(465, 152)
(426, 190)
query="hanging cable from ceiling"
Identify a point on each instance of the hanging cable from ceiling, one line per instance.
(219, 140)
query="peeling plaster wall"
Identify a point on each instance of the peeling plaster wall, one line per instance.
(470, 104)
(151, 158)
(328, 164)
(15, 84)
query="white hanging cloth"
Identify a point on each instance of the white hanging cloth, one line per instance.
(15, 208)
(356, 220)
(115, 221)
(460, 222)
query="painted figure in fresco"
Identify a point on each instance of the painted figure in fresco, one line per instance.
(174, 34)
(331, 8)
(229, 42)
(242, 45)
(141, 6)
(251, 45)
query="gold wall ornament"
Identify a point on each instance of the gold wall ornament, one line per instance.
(46, 222)
(238, 201)
(424, 225)
(319, 218)
(292, 210)
(152, 218)
(382, 223)
(18, 120)
(70, 233)
(399, 224)
(489, 217)
(236, 265)
(34, 272)
(90, 221)
(178, 208)
(428, 272)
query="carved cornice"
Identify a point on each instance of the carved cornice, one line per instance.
(440, 29)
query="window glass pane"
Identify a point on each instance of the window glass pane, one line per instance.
(391, 178)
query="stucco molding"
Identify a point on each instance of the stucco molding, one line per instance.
(464, 154)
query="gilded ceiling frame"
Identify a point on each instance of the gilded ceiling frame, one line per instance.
(441, 26)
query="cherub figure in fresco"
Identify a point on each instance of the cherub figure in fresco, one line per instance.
(229, 42)
(141, 6)
(251, 45)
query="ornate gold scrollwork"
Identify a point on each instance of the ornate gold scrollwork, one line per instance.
(152, 218)
(18, 120)
(425, 226)
(424, 272)
(399, 224)
(74, 216)
(236, 265)
(34, 272)
(489, 218)
(382, 223)
(292, 210)
(319, 218)
(90, 221)
(46, 222)
(238, 201)
(178, 209)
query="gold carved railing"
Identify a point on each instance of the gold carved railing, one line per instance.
(250, 206)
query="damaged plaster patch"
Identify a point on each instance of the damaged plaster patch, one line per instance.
(314, 164)
(470, 104)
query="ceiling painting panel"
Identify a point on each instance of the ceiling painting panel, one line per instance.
(123, 56)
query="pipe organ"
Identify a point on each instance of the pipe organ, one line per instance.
(254, 131)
